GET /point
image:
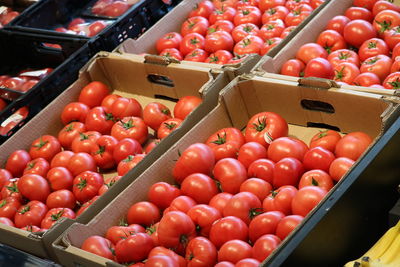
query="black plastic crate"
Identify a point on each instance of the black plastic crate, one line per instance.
(10, 256)
(15, 5)
(45, 16)
(354, 216)
(19, 52)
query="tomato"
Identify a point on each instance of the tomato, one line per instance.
(203, 216)
(318, 158)
(201, 252)
(61, 199)
(30, 214)
(343, 55)
(346, 72)
(292, 4)
(102, 151)
(385, 20)
(28, 85)
(175, 230)
(86, 185)
(248, 262)
(99, 245)
(234, 251)
(116, 9)
(250, 152)
(220, 200)
(10, 189)
(69, 133)
(263, 224)
(85, 141)
(297, 15)
(6, 221)
(287, 225)
(219, 40)
(17, 161)
(155, 113)
(287, 172)
(93, 94)
(197, 158)
(98, 119)
(185, 106)
(5, 176)
(256, 186)
(269, 44)
(326, 139)
(352, 145)
(392, 37)
(261, 168)
(318, 178)
(368, 4)
(162, 194)
(280, 200)
(117, 233)
(162, 251)
(366, 79)
(190, 42)
(354, 13)
(144, 213)
(392, 81)
(152, 144)
(244, 205)
(61, 159)
(356, 32)
(338, 23)
(13, 83)
(373, 47)
(204, 9)
(230, 173)
(53, 215)
(265, 127)
(228, 228)
(126, 147)
(249, 45)
(264, 246)
(161, 261)
(167, 127)
(181, 203)
(34, 187)
(242, 3)
(38, 166)
(311, 51)
(200, 187)
(287, 31)
(108, 183)
(238, 59)
(271, 29)
(274, 13)
(168, 40)
(8, 207)
(383, 5)
(130, 127)
(247, 14)
(293, 67)
(331, 41)
(319, 67)
(32, 229)
(339, 168)
(286, 147)
(219, 57)
(224, 264)
(306, 199)
(74, 111)
(81, 162)
(172, 53)
(126, 107)
(266, 4)
(395, 67)
(221, 25)
(243, 30)
(223, 13)
(197, 24)
(45, 147)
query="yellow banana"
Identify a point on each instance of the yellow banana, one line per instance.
(392, 254)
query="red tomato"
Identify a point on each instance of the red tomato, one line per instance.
(385, 20)
(86, 185)
(61, 159)
(284, 147)
(116, 9)
(38, 166)
(319, 67)
(261, 168)
(366, 79)
(244, 205)
(243, 30)
(287, 31)
(392, 37)
(85, 141)
(117, 233)
(126, 107)
(250, 45)
(203, 216)
(392, 81)
(306, 199)
(155, 113)
(190, 42)
(74, 111)
(86, 205)
(6, 221)
(359, 13)
(339, 168)
(274, 13)
(125, 165)
(162, 194)
(242, 3)
(200, 187)
(221, 25)
(201, 252)
(5, 176)
(248, 262)
(219, 57)
(30, 214)
(234, 251)
(228, 228)
(8, 207)
(130, 127)
(181, 203)
(338, 23)
(264, 246)
(167, 127)
(61, 199)
(373, 47)
(102, 151)
(280, 200)
(69, 133)
(395, 67)
(316, 178)
(256, 186)
(152, 144)
(343, 55)
(287, 172)
(204, 9)
(224, 13)
(126, 147)
(172, 53)
(162, 251)
(185, 106)
(10, 189)
(293, 67)
(81, 162)
(161, 261)
(168, 40)
(144, 213)
(331, 41)
(251, 152)
(247, 14)
(53, 215)
(197, 158)
(352, 145)
(383, 5)
(100, 246)
(271, 29)
(224, 264)
(175, 230)
(93, 94)
(266, 4)
(45, 147)
(311, 51)
(269, 44)
(318, 158)
(98, 119)
(263, 224)
(108, 183)
(219, 201)
(34, 187)
(297, 15)
(287, 225)
(346, 72)
(368, 4)
(197, 24)
(326, 139)
(219, 40)
(231, 174)
(356, 32)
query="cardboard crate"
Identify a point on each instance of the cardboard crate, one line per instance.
(271, 66)
(173, 22)
(127, 76)
(238, 102)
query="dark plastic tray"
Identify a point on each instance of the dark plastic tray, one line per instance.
(22, 51)
(13, 257)
(354, 216)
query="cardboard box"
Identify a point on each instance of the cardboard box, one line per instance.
(172, 22)
(241, 99)
(127, 75)
(309, 34)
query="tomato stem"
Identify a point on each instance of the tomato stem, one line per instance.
(221, 139)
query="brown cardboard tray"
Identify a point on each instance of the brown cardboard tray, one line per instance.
(241, 99)
(127, 75)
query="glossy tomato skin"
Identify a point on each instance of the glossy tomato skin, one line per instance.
(85, 141)
(287, 172)
(5, 176)
(366, 79)
(81, 162)
(203, 216)
(140, 243)
(392, 81)
(337, 23)
(293, 67)
(190, 42)
(264, 246)
(251, 44)
(284, 147)
(373, 47)
(287, 225)
(219, 40)
(61, 159)
(331, 41)
(346, 72)
(319, 67)
(248, 262)
(231, 174)
(228, 228)
(220, 200)
(185, 106)
(10, 189)
(93, 94)
(167, 127)
(318, 178)
(55, 214)
(263, 224)
(201, 252)
(343, 55)
(34, 187)
(162, 194)
(243, 30)
(280, 199)
(226, 142)
(204, 9)
(172, 53)
(261, 168)
(306, 199)
(144, 213)
(310, 51)
(100, 246)
(69, 133)
(8, 207)
(17, 161)
(318, 158)
(256, 186)
(130, 127)
(244, 205)
(247, 14)
(102, 151)
(326, 139)
(155, 113)
(161, 261)
(74, 111)
(108, 183)
(223, 13)
(126, 107)
(61, 199)
(117, 233)
(274, 13)
(353, 145)
(340, 167)
(125, 165)
(219, 57)
(86, 185)
(359, 13)
(168, 40)
(181, 203)
(98, 119)
(38, 166)
(385, 20)
(30, 214)
(196, 24)
(200, 187)
(234, 251)
(6, 221)
(126, 147)
(358, 31)
(162, 251)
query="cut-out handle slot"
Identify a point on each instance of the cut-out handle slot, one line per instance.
(323, 125)
(317, 106)
(160, 79)
(164, 97)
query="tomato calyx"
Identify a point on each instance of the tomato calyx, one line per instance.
(25, 209)
(371, 61)
(41, 144)
(110, 184)
(214, 59)
(339, 74)
(109, 117)
(123, 222)
(13, 188)
(314, 182)
(246, 42)
(194, 41)
(248, 28)
(270, 42)
(245, 12)
(371, 45)
(165, 111)
(343, 55)
(128, 158)
(82, 184)
(170, 126)
(328, 48)
(31, 165)
(385, 25)
(271, 11)
(127, 125)
(3, 203)
(190, 257)
(254, 212)
(183, 239)
(395, 84)
(322, 134)
(57, 216)
(170, 36)
(151, 229)
(260, 126)
(83, 136)
(69, 128)
(221, 139)
(274, 193)
(194, 53)
(101, 150)
(29, 228)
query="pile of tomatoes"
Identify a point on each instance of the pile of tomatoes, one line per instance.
(237, 196)
(61, 176)
(360, 48)
(112, 8)
(223, 31)
(80, 26)
(7, 15)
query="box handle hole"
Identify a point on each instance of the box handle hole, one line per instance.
(159, 79)
(317, 106)
(323, 125)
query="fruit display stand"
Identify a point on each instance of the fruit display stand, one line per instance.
(271, 66)
(240, 100)
(129, 76)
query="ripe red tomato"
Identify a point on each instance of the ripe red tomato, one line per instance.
(221, 25)
(125, 165)
(263, 224)
(162, 194)
(167, 127)
(219, 40)
(353, 145)
(143, 213)
(366, 79)
(108, 182)
(5, 176)
(343, 55)
(219, 201)
(280, 200)
(6, 221)
(354, 13)
(242, 3)
(224, 13)
(116, 9)
(86, 185)
(269, 44)
(152, 144)
(243, 30)
(168, 40)
(395, 67)
(161, 261)
(8, 207)
(85, 141)
(61, 159)
(271, 29)
(126, 147)
(306, 199)
(45, 147)
(287, 31)
(385, 20)
(155, 113)
(392, 37)
(102, 151)
(172, 53)
(34, 187)
(81, 162)
(287, 172)
(392, 81)
(219, 57)
(197, 24)
(339, 168)
(316, 178)
(326, 139)
(250, 152)
(100, 246)
(256, 186)
(204, 9)
(383, 5)
(266, 4)
(38, 166)
(69, 133)
(117, 233)
(55, 214)
(203, 216)
(244, 205)
(234, 251)
(319, 67)
(331, 41)
(200, 187)
(364, 3)
(287, 225)
(250, 45)
(126, 107)
(228, 228)
(226, 143)
(373, 47)
(284, 147)
(356, 32)
(86, 205)
(264, 246)
(346, 72)
(337, 23)
(311, 51)
(98, 119)
(30, 214)
(247, 14)
(274, 13)
(130, 127)
(93, 94)
(201, 252)
(181, 203)
(261, 168)
(61, 199)
(74, 111)
(185, 106)
(10, 189)
(318, 158)
(293, 67)
(162, 251)
(197, 158)
(231, 174)
(190, 42)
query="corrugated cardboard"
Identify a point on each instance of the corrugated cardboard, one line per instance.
(309, 33)
(241, 99)
(127, 76)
